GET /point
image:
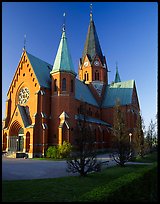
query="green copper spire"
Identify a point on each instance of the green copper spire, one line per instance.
(117, 77)
(63, 61)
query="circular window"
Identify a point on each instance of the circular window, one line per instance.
(23, 95)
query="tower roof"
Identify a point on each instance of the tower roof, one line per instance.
(92, 45)
(63, 61)
(117, 77)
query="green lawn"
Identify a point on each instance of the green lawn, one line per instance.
(62, 189)
(151, 157)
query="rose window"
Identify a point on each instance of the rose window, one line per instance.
(23, 95)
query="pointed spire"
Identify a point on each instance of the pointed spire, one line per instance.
(92, 46)
(117, 77)
(63, 61)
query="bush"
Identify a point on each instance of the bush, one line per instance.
(64, 150)
(142, 186)
(60, 151)
(51, 152)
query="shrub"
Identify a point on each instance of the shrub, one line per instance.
(142, 187)
(64, 150)
(60, 151)
(51, 152)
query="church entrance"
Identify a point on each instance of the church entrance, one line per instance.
(16, 138)
(20, 140)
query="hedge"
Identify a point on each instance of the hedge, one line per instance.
(130, 187)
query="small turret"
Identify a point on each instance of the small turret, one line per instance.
(117, 77)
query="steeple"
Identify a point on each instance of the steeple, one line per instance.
(117, 77)
(63, 61)
(92, 45)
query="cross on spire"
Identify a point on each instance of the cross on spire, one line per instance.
(24, 47)
(90, 12)
(63, 29)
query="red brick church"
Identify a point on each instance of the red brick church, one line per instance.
(44, 101)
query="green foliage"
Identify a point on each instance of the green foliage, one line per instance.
(64, 150)
(138, 137)
(71, 188)
(51, 152)
(60, 151)
(135, 182)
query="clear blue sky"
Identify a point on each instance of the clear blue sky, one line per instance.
(128, 34)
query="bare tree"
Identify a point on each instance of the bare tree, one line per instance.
(120, 141)
(83, 156)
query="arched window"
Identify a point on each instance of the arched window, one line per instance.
(55, 85)
(72, 85)
(86, 76)
(96, 75)
(64, 84)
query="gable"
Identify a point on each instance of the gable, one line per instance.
(121, 91)
(83, 93)
(42, 70)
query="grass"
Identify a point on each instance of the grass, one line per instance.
(151, 157)
(62, 189)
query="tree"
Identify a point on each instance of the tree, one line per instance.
(151, 135)
(83, 156)
(120, 142)
(138, 139)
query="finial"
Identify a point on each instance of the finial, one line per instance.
(116, 66)
(63, 29)
(24, 48)
(90, 12)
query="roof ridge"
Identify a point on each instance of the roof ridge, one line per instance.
(37, 58)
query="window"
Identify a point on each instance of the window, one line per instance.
(96, 75)
(55, 85)
(86, 77)
(72, 86)
(64, 84)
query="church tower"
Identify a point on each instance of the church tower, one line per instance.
(92, 66)
(62, 93)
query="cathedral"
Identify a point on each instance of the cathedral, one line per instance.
(44, 101)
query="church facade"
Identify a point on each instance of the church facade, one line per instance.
(44, 101)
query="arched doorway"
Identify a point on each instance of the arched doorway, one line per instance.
(16, 141)
(20, 140)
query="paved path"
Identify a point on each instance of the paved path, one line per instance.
(22, 169)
